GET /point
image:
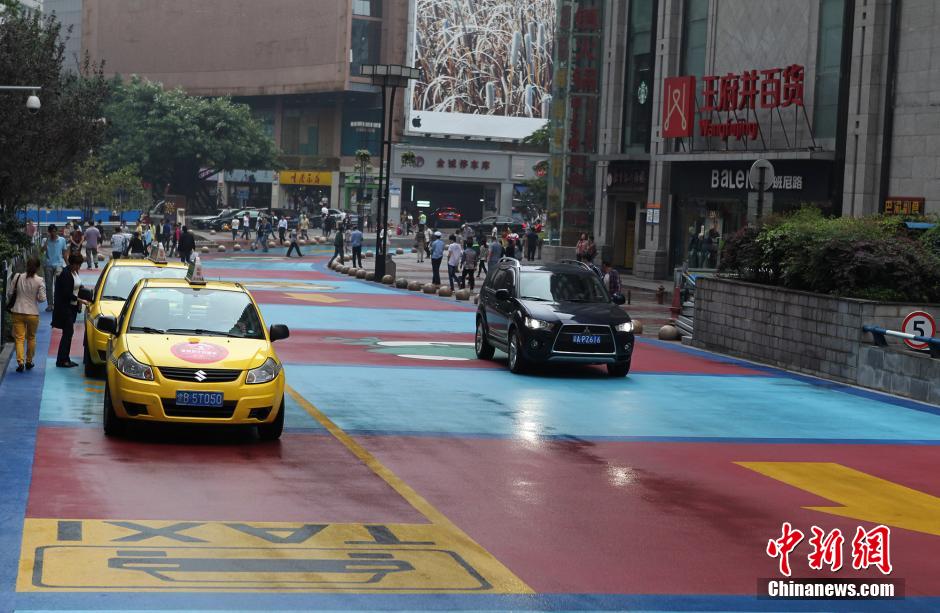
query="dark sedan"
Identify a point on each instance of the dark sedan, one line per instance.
(552, 313)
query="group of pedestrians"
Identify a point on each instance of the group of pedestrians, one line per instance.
(352, 238)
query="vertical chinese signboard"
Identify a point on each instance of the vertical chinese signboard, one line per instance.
(578, 57)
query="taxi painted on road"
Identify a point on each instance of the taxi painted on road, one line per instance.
(114, 286)
(192, 351)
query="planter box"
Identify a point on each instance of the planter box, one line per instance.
(810, 333)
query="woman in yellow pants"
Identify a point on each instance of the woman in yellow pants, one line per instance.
(30, 291)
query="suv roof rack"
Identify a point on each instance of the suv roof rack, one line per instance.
(577, 263)
(514, 261)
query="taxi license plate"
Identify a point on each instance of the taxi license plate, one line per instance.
(199, 399)
(586, 339)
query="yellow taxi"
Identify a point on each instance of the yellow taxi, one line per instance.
(114, 285)
(193, 351)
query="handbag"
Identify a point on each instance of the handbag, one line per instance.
(12, 299)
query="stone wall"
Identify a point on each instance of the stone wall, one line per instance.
(810, 333)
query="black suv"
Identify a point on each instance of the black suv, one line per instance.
(552, 313)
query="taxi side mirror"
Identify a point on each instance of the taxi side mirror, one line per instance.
(279, 332)
(86, 294)
(107, 324)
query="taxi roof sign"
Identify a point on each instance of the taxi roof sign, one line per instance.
(158, 254)
(194, 276)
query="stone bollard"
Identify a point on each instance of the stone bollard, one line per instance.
(414, 250)
(414, 286)
(463, 294)
(343, 270)
(669, 333)
(349, 270)
(445, 291)
(368, 254)
(388, 279)
(476, 299)
(637, 326)
(221, 249)
(101, 257)
(401, 283)
(205, 249)
(361, 273)
(429, 288)
(236, 247)
(272, 244)
(211, 231)
(301, 242)
(370, 276)
(399, 251)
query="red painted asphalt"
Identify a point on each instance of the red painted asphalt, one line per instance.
(657, 518)
(307, 477)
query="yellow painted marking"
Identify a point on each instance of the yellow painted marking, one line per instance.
(94, 390)
(311, 297)
(502, 578)
(861, 496)
(147, 555)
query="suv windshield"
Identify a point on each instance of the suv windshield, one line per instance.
(204, 312)
(561, 287)
(121, 279)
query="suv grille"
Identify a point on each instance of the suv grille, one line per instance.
(565, 340)
(224, 412)
(209, 375)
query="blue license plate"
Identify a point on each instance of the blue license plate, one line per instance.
(199, 399)
(586, 339)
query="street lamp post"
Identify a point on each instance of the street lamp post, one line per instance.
(386, 76)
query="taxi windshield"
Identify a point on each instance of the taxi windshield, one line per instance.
(562, 287)
(195, 311)
(121, 279)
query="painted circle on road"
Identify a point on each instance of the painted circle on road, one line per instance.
(199, 353)
(920, 323)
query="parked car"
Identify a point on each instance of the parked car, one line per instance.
(220, 222)
(552, 313)
(446, 216)
(485, 225)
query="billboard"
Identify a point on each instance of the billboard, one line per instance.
(486, 67)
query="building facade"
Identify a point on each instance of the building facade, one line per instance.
(838, 95)
(295, 63)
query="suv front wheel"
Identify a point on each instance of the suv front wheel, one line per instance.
(517, 363)
(481, 344)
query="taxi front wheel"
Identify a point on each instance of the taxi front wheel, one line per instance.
(272, 431)
(113, 426)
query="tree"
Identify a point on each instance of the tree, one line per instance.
(177, 140)
(540, 138)
(36, 148)
(93, 185)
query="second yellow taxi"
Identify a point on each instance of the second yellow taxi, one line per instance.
(192, 351)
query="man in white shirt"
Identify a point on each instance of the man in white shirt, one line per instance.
(454, 255)
(282, 229)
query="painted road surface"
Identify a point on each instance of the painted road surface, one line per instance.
(413, 476)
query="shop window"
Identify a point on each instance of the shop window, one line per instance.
(638, 92)
(695, 37)
(266, 118)
(312, 145)
(300, 131)
(828, 68)
(367, 8)
(364, 43)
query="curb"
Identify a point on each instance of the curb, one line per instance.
(5, 355)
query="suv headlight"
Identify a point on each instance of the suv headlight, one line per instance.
(128, 366)
(264, 373)
(626, 326)
(537, 324)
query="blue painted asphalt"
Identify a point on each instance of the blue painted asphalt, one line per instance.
(371, 320)
(496, 402)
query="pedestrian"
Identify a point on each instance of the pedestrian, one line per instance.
(347, 235)
(540, 229)
(437, 254)
(454, 257)
(31, 231)
(137, 249)
(246, 227)
(509, 245)
(177, 234)
(470, 258)
(92, 237)
(282, 229)
(75, 240)
(119, 245)
(484, 255)
(167, 234)
(611, 278)
(266, 231)
(56, 250)
(590, 250)
(496, 254)
(355, 239)
(187, 244)
(304, 226)
(234, 228)
(580, 248)
(421, 243)
(293, 244)
(338, 247)
(66, 307)
(25, 291)
(531, 243)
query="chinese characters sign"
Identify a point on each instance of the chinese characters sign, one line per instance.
(463, 164)
(731, 93)
(304, 177)
(897, 205)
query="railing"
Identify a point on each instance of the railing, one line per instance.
(879, 335)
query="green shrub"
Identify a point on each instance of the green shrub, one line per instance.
(873, 257)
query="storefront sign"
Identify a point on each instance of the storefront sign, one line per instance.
(627, 176)
(794, 179)
(897, 205)
(305, 177)
(771, 88)
(443, 163)
(728, 178)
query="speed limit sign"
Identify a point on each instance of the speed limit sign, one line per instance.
(920, 324)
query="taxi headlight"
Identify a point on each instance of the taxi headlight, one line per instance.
(264, 373)
(537, 324)
(128, 366)
(626, 326)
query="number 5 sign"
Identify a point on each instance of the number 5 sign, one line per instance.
(920, 324)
